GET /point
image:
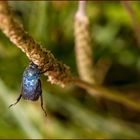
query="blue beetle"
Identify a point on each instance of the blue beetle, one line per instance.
(31, 85)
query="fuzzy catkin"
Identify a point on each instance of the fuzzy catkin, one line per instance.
(57, 72)
(83, 49)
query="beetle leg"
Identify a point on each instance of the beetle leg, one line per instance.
(43, 71)
(18, 99)
(41, 99)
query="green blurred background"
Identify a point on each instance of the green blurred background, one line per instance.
(72, 113)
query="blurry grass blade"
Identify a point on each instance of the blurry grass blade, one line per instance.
(18, 113)
(81, 116)
(37, 23)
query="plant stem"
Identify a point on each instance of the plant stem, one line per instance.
(81, 7)
(131, 13)
(108, 94)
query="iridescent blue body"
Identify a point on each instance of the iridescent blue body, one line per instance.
(31, 85)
